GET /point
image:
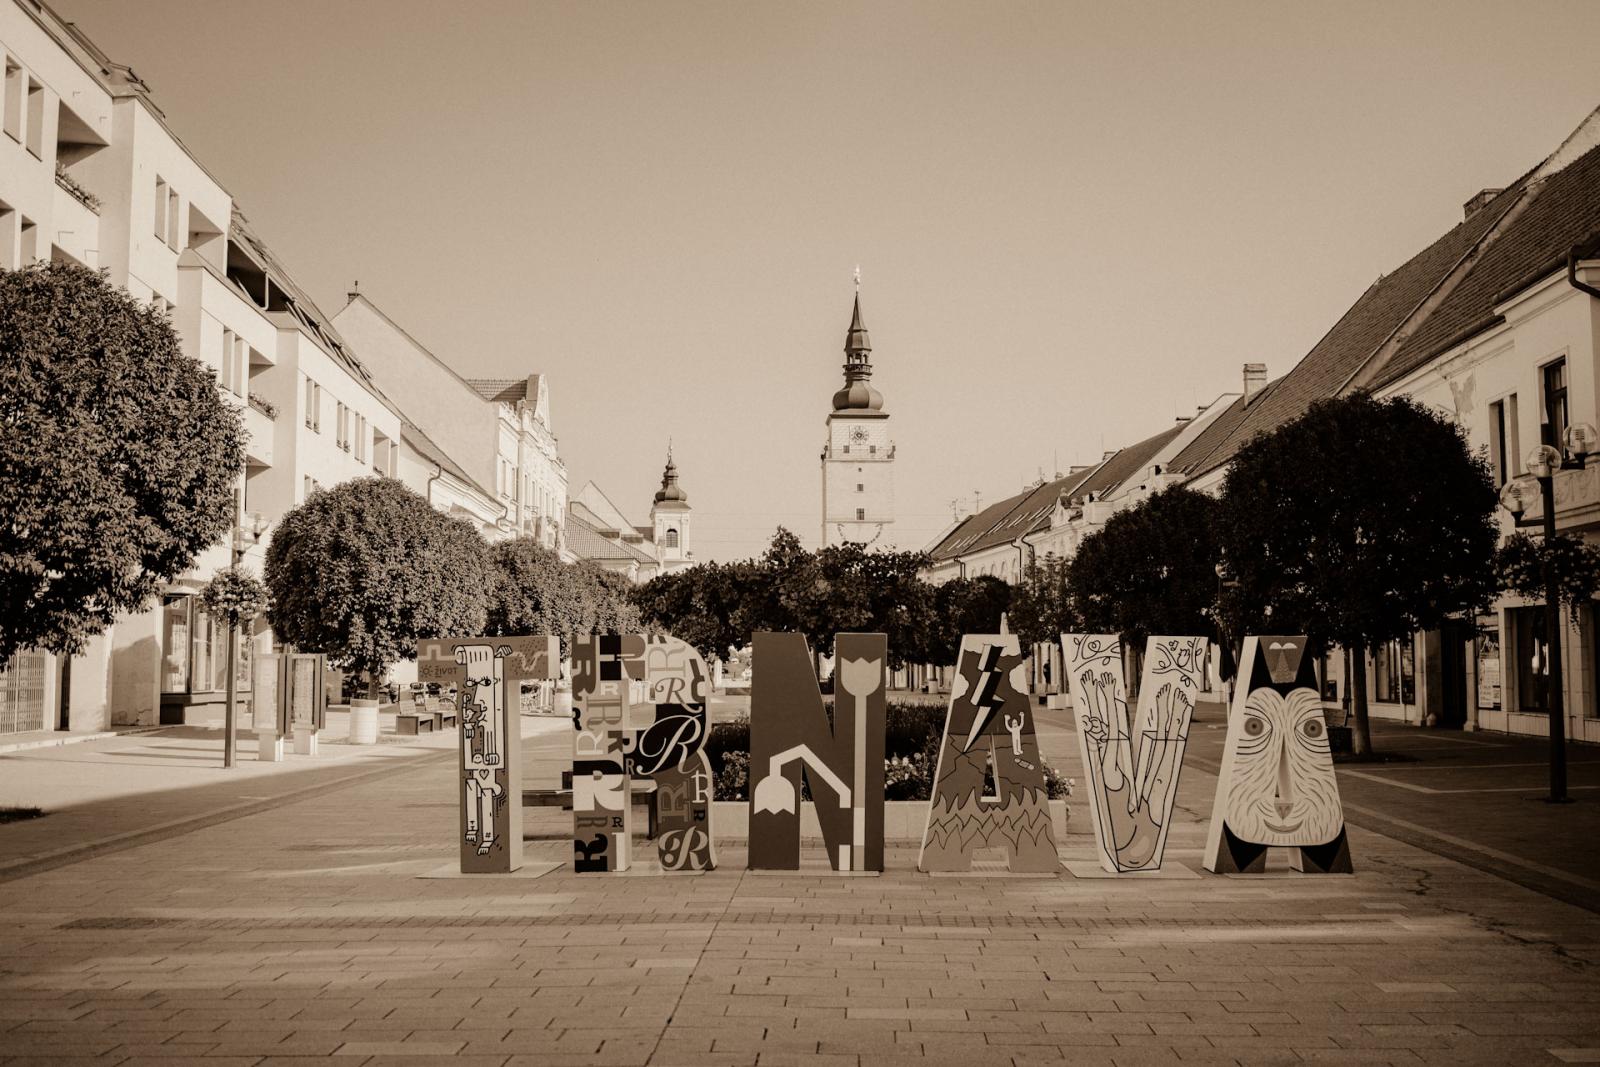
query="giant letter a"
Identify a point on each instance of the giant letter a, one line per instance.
(843, 763)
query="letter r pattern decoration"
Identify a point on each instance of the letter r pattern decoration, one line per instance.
(639, 707)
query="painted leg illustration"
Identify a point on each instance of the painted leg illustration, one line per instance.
(469, 804)
(489, 795)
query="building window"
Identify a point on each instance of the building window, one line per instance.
(160, 226)
(1555, 403)
(861, 513)
(227, 360)
(861, 487)
(361, 439)
(16, 89)
(1499, 455)
(1486, 647)
(175, 644)
(1532, 672)
(1395, 672)
(341, 432)
(30, 241)
(670, 538)
(35, 133)
(174, 214)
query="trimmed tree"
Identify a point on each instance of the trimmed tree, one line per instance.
(1041, 604)
(362, 570)
(533, 592)
(1360, 522)
(1151, 569)
(118, 457)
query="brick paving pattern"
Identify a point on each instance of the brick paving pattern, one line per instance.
(306, 932)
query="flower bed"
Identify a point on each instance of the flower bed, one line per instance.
(911, 749)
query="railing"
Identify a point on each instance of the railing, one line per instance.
(75, 190)
(263, 405)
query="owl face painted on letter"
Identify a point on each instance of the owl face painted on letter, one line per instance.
(1284, 791)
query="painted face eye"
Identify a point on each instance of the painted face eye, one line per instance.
(1254, 727)
(1313, 728)
(486, 682)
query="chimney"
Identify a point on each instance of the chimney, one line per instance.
(1473, 206)
(1255, 376)
(1108, 455)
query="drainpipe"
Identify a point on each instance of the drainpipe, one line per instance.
(1572, 276)
(438, 472)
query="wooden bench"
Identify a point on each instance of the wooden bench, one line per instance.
(437, 717)
(562, 798)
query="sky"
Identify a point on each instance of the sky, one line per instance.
(1074, 221)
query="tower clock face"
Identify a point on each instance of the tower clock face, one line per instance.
(858, 435)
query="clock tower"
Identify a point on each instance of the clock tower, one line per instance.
(858, 458)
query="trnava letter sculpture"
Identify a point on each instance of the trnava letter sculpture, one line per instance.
(1132, 768)
(639, 706)
(1277, 785)
(989, 728)
(843, 762)
(487, 673)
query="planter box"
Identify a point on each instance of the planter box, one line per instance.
(903, 821)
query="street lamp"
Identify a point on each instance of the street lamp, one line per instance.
(246, 534)
(1543, 463)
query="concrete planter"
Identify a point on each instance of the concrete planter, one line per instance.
(903, 820)
(363, 722)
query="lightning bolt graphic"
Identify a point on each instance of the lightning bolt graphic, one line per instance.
(983, 691)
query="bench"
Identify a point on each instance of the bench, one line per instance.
(411, 723)
(562, 798)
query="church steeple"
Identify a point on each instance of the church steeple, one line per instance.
(857, 394)
(669, 490)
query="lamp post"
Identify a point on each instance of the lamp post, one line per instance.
(1543, 463)
(245, 535)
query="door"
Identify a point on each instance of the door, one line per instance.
(1454, 636)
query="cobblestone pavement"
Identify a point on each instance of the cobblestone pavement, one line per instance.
(308, 931)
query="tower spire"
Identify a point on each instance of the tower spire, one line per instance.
(857, 393)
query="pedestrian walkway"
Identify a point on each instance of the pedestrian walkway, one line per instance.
(126, 789)
(309, 930)
(1475, 797)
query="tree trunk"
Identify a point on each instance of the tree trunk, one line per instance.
(1361, 731)
(372, 685)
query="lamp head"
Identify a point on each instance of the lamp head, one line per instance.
(1580, 439)
(1514, 496)
(1544, 461)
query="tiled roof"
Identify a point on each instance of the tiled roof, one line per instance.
(586, 542)
(1356, 337)
(1563, 212)
(509, 390)
(1008, 519)
(1126, 463)
(1219, 430)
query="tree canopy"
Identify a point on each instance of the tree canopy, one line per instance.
(837, 589)
(533, 592)
(1041, 603)
(1151, 569)
(361, 571)
(1362, 521)
(118, 457)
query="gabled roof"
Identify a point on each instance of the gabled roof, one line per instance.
(1563, 212)
(1358, 335)
(1008, 519)
(412, 435)
(509, 390)
(1220, 429)
(586, 542)
(1126, 463)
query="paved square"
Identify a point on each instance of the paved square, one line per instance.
(307, 932)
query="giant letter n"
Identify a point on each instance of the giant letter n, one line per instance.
(843, 763)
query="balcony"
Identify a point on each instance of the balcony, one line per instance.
(77, 227)
(260, 426)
